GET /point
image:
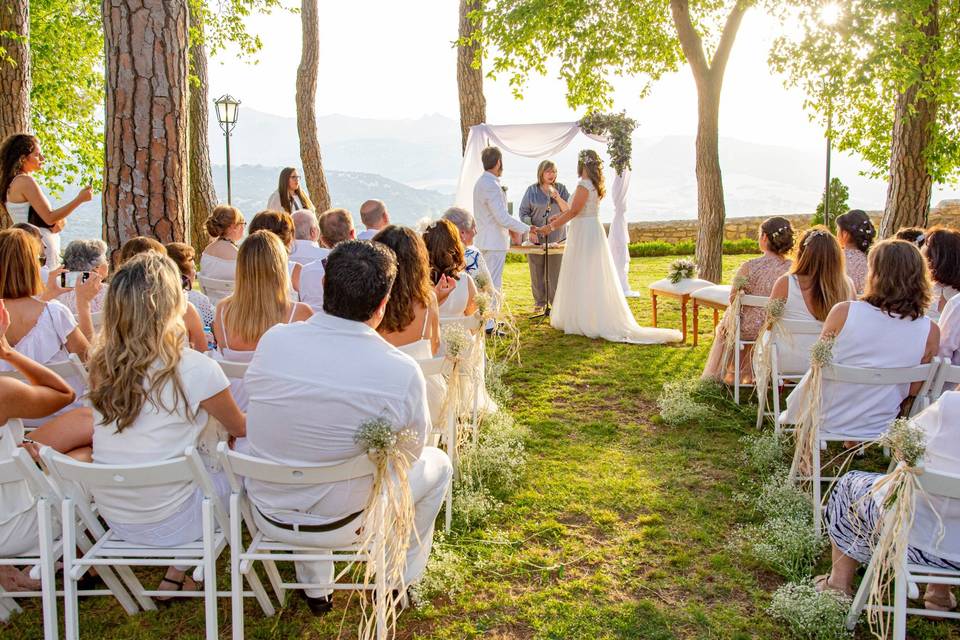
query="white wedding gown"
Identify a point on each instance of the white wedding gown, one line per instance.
(589, 300)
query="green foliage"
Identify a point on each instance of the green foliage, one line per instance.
(852, 72)
(66, 45)
(687, 248)
(619, 129)
(221, 23)
(766, 454)
(839, 194)
(810, 615)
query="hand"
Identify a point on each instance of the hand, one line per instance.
(88, 290)
(85, 195)
(445, 285)
(515, 238)
(59, 225)
(534, 237)
(552, 192)
(5, 347)
(32, 448)
(53, 282)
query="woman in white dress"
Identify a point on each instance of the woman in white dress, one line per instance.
(219, 260)
(941, 248)
(289, 196)
(448, 271)
(589, 301)
(20, 156)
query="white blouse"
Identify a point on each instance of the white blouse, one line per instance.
(218, 268)
(794, 350)
(456, 303)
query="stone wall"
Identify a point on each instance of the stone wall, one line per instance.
(946, 213)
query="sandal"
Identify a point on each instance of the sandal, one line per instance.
(938, 604)
(179, 584)
(822, 583)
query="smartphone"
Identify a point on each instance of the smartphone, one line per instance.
(70, 279)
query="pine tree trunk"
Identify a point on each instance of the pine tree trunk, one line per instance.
(473, 105)
(711, 209)
(306, 108)
(203, 196)
(145, 181)
(14, 77)
(911, 185)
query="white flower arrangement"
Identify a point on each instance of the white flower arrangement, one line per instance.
(765, 453)
(740, 283)
(678, 403)
(810, 614)
(681, 269)
(786, 544)
(457, 339)
(484, 304)
(378, 435)
(481, 281)
(906, 441)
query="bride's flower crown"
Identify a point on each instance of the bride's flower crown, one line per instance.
(588, 156)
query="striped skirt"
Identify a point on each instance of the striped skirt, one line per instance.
(852, 516)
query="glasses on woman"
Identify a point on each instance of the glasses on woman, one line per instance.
(294, 177)
(185, 283)
(42, 258)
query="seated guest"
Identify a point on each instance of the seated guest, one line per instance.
(289, 196)
(411, 321)
(306, 243)
(225, 225)
(44, 269)
(853, 514)
(260, 300)
(950, 330)
(191, 316)
(775, 238)
(336, 226)
(856, 233)
(43, 394)
(916, 235)
(467, 227)
(941, 248)
(886, 328)
(303, 411)
(184, 256)
(151, 397)
(281, 224)
(445, 251)
(87, 256)
(374, 215)
(816, 283)
(45, 332)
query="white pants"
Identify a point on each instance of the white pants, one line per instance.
(429, 479)
(20, 536)
(495, 262)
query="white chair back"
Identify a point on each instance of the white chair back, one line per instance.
(800, 327)
(215, 289)
(238, 466)
(72, 367)
(748, 300)
(924, 373)
(471, 323)
(940, 483)
(434, 366)
(948, 376)
(234, 370)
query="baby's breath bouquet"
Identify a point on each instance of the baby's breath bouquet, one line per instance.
(457, 340)
(482, 281)
(485, 308)
(810, 614)
(728, 326)
(681, 269)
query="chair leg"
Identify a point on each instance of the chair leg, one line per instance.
(273, 575)
(210, 572)
(48, 580)
(259, 593)
(136, 588)
(775, 383)
(71, 620)
(860, 599)
(736, 371)
(815, 472)
(900, 604)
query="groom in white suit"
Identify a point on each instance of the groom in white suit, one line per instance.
(494, 222)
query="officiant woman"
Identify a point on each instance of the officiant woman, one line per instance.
(541, 203)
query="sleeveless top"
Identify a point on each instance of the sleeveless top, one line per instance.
(794, 349)
(19, 212)
(15, 497)
(456, 303)
(591, 208)
(218, 268)
(422, 349)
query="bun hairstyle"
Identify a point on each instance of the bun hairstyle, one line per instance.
(916, 235)
(857, 224)
(779, 233)
(222, 218)
(589, 162)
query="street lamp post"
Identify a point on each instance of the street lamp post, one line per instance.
(826, 193)
(829, 16)
(227, 108)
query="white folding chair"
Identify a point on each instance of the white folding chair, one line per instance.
(233, 370)
(948, 377)
(923, 373)
(784, 332)
(21, 468)
(746, 301)
(215, 289)
(72, 367)
(907, 575)
(269, 551)
(441, 366)
(97, 317)
(108, 551)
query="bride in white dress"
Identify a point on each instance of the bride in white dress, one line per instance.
(589, 300)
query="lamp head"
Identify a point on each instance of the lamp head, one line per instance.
(227, 110)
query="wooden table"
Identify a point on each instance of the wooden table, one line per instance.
(717, 298)
(537, 249)
(680, 291)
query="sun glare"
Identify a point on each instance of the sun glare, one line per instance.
(830, 14)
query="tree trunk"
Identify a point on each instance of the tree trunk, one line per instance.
(306, 107)
(14, 77)
(145, 180)
(910, 185)
(711, 208)
(473, 105)
(203, 196)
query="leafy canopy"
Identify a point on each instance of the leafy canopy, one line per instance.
(855, 68)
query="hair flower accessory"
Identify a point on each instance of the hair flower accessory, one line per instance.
(587, 156)
(814, 234)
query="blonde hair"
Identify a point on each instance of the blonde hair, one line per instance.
(138, 353)
(260, 295)
(820, 258)
(19, 267)
(222, 218)
(590, 161)
(545, 166)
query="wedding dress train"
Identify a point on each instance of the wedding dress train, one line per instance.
(589, 300)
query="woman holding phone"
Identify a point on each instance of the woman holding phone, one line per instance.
(20, 156)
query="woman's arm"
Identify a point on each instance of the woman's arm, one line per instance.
(224, 408)
(576, 206)
(434, 310)
(471, 296)
(194, 325)
(86, 292)
(526, 209)
(53, 289)
(295, 277)
(781, 288)
(32, 193)
(929, 352)
(560, 200)
(835, 320)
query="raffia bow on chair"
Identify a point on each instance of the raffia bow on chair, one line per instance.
(897, 491)
(808, 424)
(464, 350)
(388, 524)
(762, 357)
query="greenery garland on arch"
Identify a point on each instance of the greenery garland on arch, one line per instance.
(618, 129)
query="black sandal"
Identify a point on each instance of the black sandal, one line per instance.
(163, 602)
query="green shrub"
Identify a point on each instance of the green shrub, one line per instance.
(658, 248)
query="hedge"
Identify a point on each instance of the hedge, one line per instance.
(684, 248)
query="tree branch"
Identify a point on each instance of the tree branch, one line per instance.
(690, 40)
(722, 55)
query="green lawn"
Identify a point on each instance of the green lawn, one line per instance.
(621, 529)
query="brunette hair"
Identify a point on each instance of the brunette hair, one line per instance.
(916, 235)
(590, 161)
(278, 222)
(260, 294)
(183, 255)
(489, 157)
(857, 223)
(412, 285)
(943, 256)
(820, 259)
(283, 188)
(335, 226)
(222, 218)
(897, 279)
(543, 167)
(137, 245)
(19, 267)
(445, 250)
(12, 150)
(779, 234)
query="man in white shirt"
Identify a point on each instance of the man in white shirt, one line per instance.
(336, 226)
(303, 411)
(494, 222)
(375, 217)
(306, 245)
(950, 330)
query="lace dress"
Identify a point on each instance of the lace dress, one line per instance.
(856, 262)
(761, 274)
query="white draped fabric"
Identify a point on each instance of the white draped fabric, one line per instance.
(538, 141)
